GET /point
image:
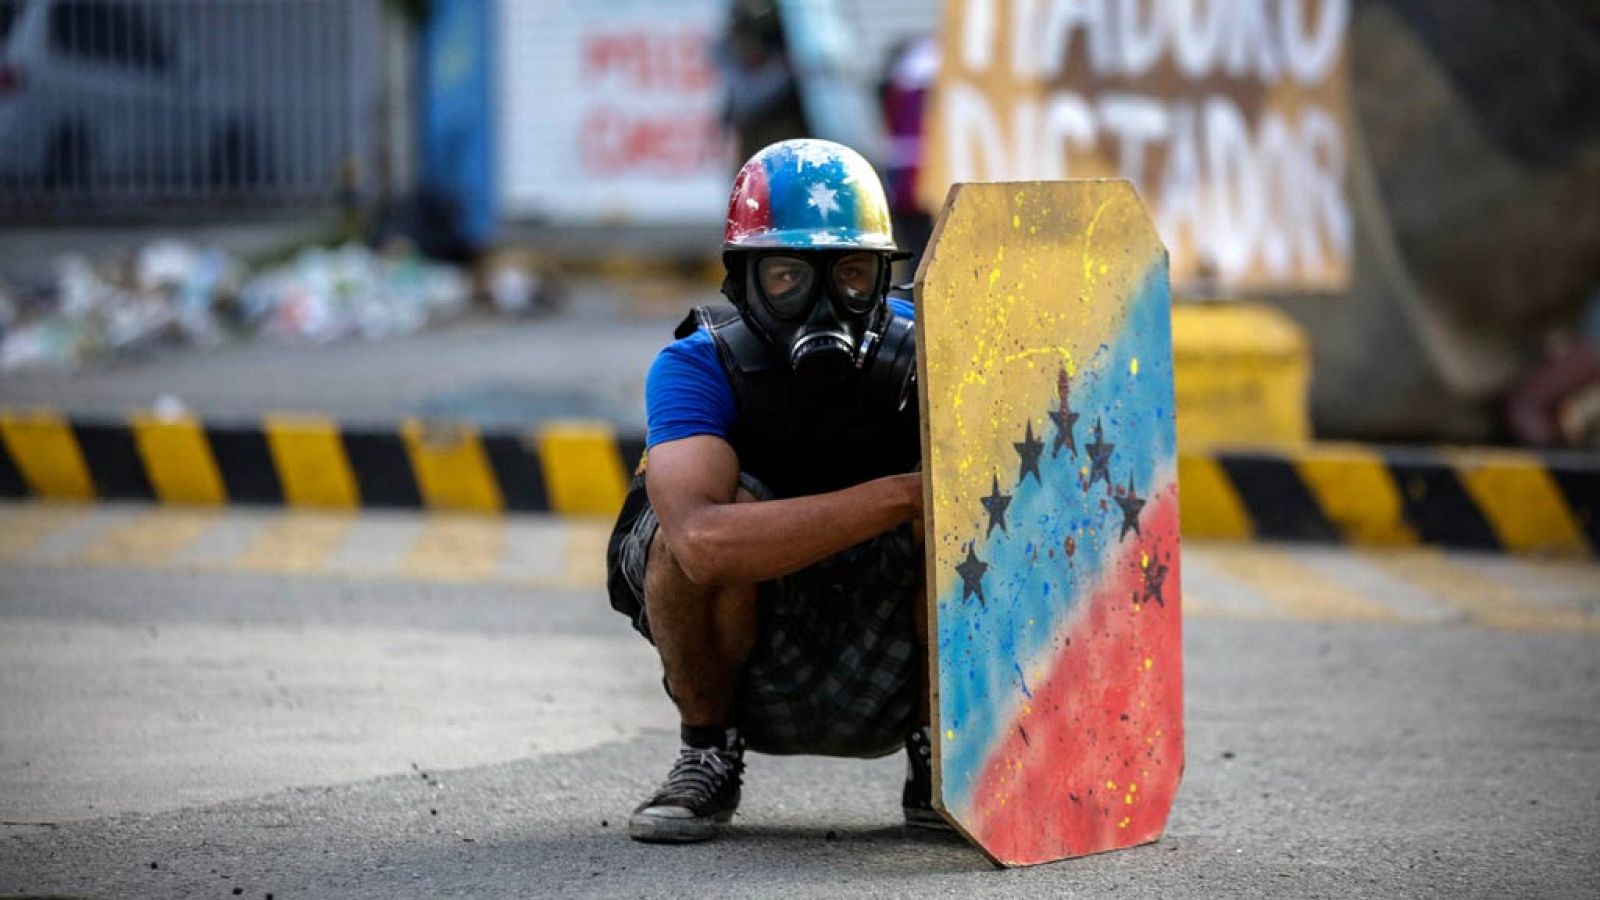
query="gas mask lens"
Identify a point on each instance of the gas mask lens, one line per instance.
(855, 280)
(786, 283)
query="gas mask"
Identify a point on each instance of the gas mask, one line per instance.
(827, 315)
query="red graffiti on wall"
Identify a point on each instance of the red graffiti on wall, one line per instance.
(641, 60)
(618, 135)
(615, 141)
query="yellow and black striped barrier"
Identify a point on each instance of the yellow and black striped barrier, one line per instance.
(1479, 499)
(1483, 499)
(571, 468)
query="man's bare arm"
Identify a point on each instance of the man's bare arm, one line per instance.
(692, 483)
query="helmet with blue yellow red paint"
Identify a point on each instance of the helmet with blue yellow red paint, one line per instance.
(808, 195)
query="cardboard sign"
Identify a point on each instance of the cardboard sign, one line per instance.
(1045, 354)
(1231, 117)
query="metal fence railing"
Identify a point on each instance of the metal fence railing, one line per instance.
(130, 105)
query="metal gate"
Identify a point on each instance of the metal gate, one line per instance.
(134, 105)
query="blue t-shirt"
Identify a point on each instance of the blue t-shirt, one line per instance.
(687, 393)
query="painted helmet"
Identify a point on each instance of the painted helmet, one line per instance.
(808, 195)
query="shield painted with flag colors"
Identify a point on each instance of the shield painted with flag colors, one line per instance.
(1050, 473)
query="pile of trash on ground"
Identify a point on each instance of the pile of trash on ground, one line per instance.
(170, 293)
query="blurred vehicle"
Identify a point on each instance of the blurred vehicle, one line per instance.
(99, 91)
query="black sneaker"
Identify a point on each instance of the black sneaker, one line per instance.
(917, 798)
(701, 792)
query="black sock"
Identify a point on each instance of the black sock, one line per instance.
(709, 737)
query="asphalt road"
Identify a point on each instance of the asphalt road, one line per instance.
(221, 729)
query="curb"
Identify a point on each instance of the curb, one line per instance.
(1507, 501)
(1480, 499)
(567, 468)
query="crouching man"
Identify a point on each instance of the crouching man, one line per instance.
(770, 548)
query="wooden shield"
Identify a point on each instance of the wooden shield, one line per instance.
(1050, 474)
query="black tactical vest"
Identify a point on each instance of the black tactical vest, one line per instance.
(793, 437)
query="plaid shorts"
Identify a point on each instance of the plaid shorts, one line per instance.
(834, 671)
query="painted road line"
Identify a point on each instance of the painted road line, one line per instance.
(24, 528)
(377, 544)
(311, 462)
(178, 460)
(536, 552)
(1488, 602)
(298, 541)
(1555, 583)
(1564, 582)
(151, 538)
(46, 455)
(586, 554)
(457, 548)
(1209, 593)
(1246, 582)
(62, 545)
(1299, 590)
(226, 542)
(1356, 571)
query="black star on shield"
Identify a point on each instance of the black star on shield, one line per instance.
(1100, 456)
(1064, 418)
(971, 571)
(1029, 449)
(1154, 575)
(995, 505)
(1131, 503)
